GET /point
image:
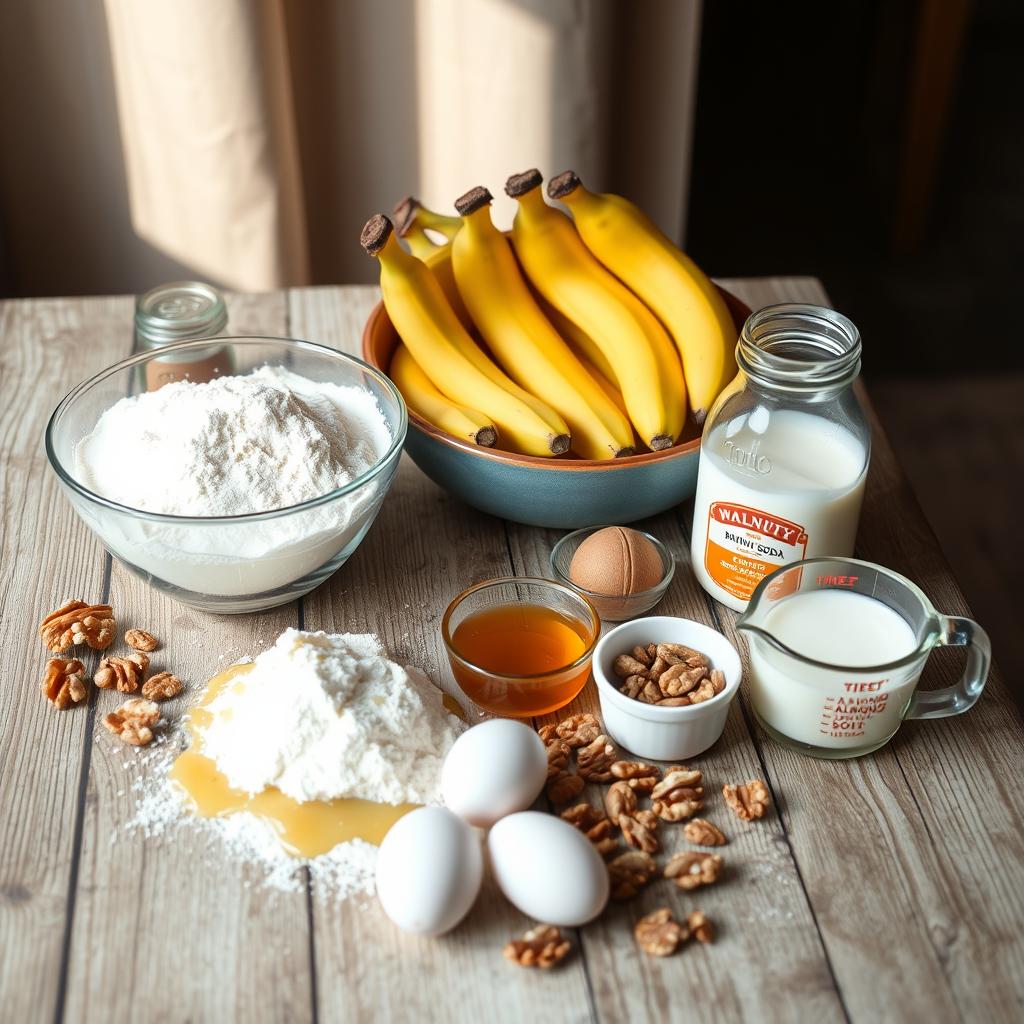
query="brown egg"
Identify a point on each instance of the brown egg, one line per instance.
(616, 561)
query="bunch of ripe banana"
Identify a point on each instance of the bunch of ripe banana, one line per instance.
(589, 323)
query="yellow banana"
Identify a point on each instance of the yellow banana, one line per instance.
(422, 397)
(578, 340)
(410, 211)
(411, 219)
(425, 321)
(623, 238)
(562, 269)
(522, 341)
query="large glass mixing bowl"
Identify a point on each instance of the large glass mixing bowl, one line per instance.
(239, 563)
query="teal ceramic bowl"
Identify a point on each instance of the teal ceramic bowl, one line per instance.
(562, 493)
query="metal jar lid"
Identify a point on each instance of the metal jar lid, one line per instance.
(180, 311)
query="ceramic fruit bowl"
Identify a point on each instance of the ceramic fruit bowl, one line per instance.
(565, 493)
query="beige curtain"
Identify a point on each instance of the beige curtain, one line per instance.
(246, 141)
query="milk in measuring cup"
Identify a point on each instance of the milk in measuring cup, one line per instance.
(827, 706)
(774, 486)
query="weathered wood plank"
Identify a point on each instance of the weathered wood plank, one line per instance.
(172, 926)
(913, 857)
(424, 548)
(46, 557)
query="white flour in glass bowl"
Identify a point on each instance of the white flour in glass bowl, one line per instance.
(233, 446)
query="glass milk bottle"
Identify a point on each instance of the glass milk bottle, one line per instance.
(784, 452)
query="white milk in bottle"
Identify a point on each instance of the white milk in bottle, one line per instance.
(784, 453)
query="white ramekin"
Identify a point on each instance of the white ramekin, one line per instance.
(649, 731)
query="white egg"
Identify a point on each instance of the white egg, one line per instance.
(429, 870)
(493, 769)
(548, 869)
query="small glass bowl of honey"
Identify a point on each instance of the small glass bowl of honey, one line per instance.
(520, 646)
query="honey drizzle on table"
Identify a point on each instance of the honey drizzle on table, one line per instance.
(306, 829)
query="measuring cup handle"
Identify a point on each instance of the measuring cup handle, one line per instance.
(961, 697)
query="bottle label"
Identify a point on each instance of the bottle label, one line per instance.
(745, 544)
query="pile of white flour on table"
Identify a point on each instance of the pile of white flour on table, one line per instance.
(233, 446)
(319, 716)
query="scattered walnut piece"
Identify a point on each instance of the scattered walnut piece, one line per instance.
(629, 872)
(124, 673)
(543, 947)
(699, 925)
(626, 665)
(564, 787)
(641, 777)
(78, 623)
(590, 820)
(594, 761)
(578, 730)
(640, 831)
(704, 692)
(620, 799)
(659, 934)
(749, 800)
(547, 734)
(691, 869)
(133, 721)
(606, 847)
(140, 640)
(162, 686)
(558, 757)
(643, 655)
(702, 833)
(633, 686)
(679, 795)
(64, 682)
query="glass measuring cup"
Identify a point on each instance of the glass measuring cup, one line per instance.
(823, 707)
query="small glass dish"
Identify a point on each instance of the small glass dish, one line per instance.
(610, 607)
(520, 646)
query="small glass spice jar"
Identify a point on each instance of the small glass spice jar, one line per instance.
(784, 453)
(181, 311)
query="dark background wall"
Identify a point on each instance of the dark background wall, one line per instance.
(811, 157)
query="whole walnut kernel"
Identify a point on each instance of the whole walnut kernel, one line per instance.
(133, 721)
(702, 833)
(578, 730)
(78, 623)
(679, 795)
(691, 869)
(140, 640)
(64, 683)
(162, 686)
(640, 831)
(629, 872)
(594, 761)
(749, 800)
(619, 799)
(543, 947)
(659, 934)
(641, 777)
(590, 820)
(124, 673)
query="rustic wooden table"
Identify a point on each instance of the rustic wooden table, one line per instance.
(886, 888)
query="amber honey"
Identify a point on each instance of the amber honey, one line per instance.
(521, 659)
(305, 829)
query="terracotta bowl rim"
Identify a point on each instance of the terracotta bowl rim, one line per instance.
(691, 447)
